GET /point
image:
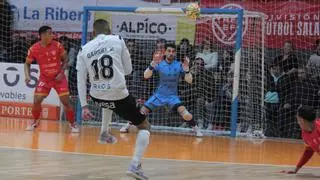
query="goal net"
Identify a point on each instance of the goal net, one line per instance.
(210, 42)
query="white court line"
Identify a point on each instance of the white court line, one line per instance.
(160, 159)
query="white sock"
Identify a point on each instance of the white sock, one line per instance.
(106, 120)
(141, 145)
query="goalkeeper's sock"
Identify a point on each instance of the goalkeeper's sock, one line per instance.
(191, 123)
(70, 116)
(141, 145)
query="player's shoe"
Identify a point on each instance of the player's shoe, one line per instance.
(196, 129)
(136, 172)
(107, 138)
(33, 126)
(125, 128)
(74, 128)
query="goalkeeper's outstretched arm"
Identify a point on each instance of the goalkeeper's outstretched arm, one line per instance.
(82, 80)
(149, 71)
(187, 75)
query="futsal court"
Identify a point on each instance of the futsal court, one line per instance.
(52, 153)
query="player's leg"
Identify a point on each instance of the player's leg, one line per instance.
(150, 104)
(142, 142)
(127, 109)
(70, 114)
(175, 103)
(36, 111)
(188, 117)
(126, 127)
(41, 92)
(63, 91)
(105, 136)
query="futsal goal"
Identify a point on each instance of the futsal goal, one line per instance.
(226, 49)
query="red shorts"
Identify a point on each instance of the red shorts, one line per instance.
(44, 87)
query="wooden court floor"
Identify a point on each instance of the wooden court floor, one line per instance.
(51, 152)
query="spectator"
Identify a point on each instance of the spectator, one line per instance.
(193, 94)
(185, 49)
(136, 82)
(289, 65)
(71, 52)
(313, 65)
(222, 106)
(19, 49)
(227, 63)
(160, 50)
(210, 58)
(288, 61)
(272, 102)
(71, 71)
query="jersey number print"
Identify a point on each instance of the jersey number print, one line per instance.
(102, 67)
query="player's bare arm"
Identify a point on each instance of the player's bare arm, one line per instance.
(185, 65)
(82, 88)
(27, 71)
(27, 65)
(306, 156)
(64, 65)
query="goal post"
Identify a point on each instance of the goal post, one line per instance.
(233, 112)
(236, 76)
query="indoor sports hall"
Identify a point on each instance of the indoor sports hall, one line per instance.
(254, 95)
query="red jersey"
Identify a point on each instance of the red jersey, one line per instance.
(49, 58)
(312, 139)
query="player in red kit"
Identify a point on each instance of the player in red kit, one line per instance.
(52, 60)
(310, 126)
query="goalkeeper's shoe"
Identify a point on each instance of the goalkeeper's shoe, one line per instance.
(107, 138)
(125, 128)
(33, 126)
(197, 131)
(136, 172)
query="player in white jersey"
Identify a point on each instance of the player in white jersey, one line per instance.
(107, 60)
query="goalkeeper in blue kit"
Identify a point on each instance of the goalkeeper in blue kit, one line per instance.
(170, 70)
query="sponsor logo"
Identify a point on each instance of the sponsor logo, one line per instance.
(24, 110)
(12, 77)
(225, 26)
(107, 105)
(146, 26)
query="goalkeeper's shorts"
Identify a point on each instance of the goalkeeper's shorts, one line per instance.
(155, 101)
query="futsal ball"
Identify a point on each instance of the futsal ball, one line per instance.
(193, 11)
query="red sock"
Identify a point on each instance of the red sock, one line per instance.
(36, 111)
(70, 115)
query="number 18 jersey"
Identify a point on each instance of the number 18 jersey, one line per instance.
(107, 60)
